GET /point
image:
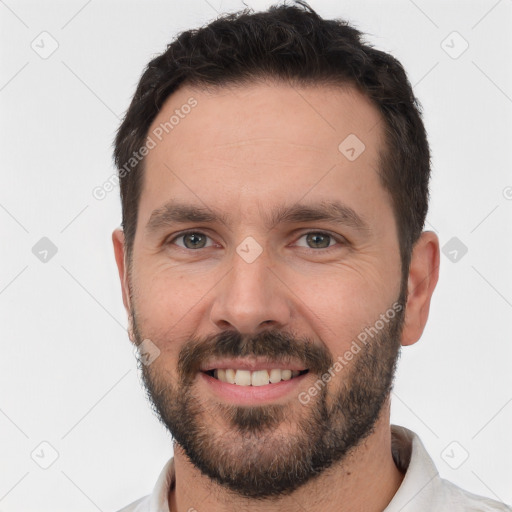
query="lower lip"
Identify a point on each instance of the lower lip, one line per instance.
(252, 394)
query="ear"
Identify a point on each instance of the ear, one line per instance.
(120, 254)
(423, 277)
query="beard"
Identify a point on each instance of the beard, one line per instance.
(268, 451)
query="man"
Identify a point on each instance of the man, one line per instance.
(274, 178)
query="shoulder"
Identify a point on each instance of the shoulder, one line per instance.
(423, 488)
(460, 499)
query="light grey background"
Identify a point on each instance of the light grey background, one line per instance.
(67, 371)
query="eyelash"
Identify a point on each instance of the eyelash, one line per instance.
(337, 238)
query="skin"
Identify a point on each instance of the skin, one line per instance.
(287, 153)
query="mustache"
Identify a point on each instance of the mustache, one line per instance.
(272, 344)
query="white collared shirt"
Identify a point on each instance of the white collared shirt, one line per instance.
(422, 488)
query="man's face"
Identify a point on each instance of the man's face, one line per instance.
(287, 291)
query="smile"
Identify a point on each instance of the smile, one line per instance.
(253, 387)
(253, 378)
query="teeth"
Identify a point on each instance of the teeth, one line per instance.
(230, 376)
(286, 374)
(243, 378)
(275, 376)
(255, 378)
(259, 378)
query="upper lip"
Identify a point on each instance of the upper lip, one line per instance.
(251, 364)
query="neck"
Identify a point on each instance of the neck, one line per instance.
(367, 479)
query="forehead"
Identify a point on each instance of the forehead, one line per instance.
(266, 139)
(318, 117)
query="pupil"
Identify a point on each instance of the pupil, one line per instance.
(196, 237)
(314, 238)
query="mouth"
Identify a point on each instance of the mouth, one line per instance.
(260, 377)
(253, 387)
(253, 380)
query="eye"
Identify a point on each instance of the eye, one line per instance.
(314, 240)
(319, 240)
(192, 240)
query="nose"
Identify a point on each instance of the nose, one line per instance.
(251, 297)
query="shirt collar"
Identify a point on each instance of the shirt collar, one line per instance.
(421, 476)
(159, 497)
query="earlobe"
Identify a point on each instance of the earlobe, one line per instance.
(131, 334)
(423, 277)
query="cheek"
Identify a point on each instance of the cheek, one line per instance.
(355, 286)
(338, 303)
(167, 299)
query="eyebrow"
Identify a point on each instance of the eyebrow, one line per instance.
(335, 212)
